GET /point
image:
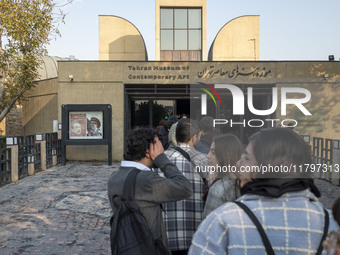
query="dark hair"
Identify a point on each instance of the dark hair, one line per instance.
(138, 142)
(280, 147)
(173, 118)
(95, 120)
(228, 149)
(186, 129)
(161, 122)
(183, 115)
(167, 125)
(336, 210)
(207, 124)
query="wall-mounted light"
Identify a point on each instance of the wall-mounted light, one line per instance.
(70, 77)
(39, 137)
(59, 126)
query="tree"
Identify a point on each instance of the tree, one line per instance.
(26, 27)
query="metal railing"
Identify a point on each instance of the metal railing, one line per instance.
(323, 155)
(5, 163)
(29, 151)
(37, 157)
(22, 157)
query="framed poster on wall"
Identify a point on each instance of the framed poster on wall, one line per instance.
(86, 125)
(89, 124)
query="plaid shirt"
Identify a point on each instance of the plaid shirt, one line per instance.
(294, 224)
(182, 218)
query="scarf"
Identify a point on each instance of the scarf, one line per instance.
(277, 187)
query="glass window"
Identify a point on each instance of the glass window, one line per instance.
(167, 40)
(181, 29)
(167, 18)
(194, 39)
(181, 18)
(181, 41)
(195, 18)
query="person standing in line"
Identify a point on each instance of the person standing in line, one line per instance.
(183, 217)
(224, 153)
(145, 151)
(332, 242)
(285, 204)
(208, 134)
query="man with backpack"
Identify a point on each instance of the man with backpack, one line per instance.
(144, 151)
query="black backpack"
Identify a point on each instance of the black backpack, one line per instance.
(130, 233)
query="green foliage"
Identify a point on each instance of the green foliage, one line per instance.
(26, 27)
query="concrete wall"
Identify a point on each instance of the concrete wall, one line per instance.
(13, 122)
(120, 40)
(322, 79)
(237, 40)
(181, 3)
(41, 108)
(102, 82)
(94, 83)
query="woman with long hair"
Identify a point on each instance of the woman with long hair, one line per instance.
(278, 212)
(225, 151)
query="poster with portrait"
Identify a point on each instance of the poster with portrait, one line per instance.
(86, 125)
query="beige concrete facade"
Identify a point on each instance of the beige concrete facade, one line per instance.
(123, 66)
(182, 3)
(237, 40)
(41, 108)
(103, 82)
(94, 83)
(120, 40)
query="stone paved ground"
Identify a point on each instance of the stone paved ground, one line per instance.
(65, 210)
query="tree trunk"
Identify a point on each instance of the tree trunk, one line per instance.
(7, 108)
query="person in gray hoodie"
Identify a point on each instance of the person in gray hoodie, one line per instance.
(145, 151)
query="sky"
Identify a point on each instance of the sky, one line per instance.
(289, 29)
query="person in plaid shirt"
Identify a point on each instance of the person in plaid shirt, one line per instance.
(182, 218)
(285, 204)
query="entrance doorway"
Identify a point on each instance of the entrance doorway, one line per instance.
(146, 105)
(148, 113)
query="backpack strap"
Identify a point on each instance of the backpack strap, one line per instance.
(265, 240)
(183, 152)
(129, 184)
(325, 231)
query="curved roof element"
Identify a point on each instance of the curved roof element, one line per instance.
(119, 39)
(48, 69)
(237, 40)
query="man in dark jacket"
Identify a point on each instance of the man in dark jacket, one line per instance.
(144, 151)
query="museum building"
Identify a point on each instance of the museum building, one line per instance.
(139, 92)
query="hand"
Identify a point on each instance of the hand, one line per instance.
(332, 243)
(156, 148)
